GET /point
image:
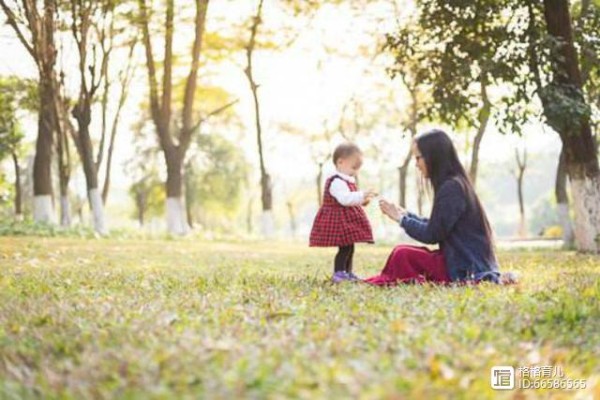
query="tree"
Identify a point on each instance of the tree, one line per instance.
(35, 27)
(146, 189)
(265, 178)
(535, 55)
(562, 202)
(411, 65)
(457, 44)
(64, 130)
(89, 30)
(125, 77)
(250, 47)
(148, 196)
(568, 113)
(214, 181)
(15, 94)
(161, 106)
(521, 160)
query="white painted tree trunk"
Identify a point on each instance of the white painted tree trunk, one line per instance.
(97, 211)
(176, 218)
(586, 203)
(42, 209)
(65, 211)
(522, 232)
(267, 224)
(565, 223)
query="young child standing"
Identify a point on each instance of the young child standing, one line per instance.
(341, 221)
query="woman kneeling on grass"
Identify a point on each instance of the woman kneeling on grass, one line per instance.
(457, 223)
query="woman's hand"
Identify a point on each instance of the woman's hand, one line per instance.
(391, 210)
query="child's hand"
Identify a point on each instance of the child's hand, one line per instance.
(369, 195)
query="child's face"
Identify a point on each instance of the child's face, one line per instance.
(350, 165)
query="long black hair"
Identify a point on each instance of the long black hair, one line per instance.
(443, 163)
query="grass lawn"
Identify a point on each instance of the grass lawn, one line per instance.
(167, 319)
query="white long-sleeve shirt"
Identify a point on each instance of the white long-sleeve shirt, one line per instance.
(341, 192)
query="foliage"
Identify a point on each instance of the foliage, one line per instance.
(505, 43)
(215, 177)
(148, 194)
(15, 94)
(191, 319)
(40, 229)
(147, 186)
(454, 47)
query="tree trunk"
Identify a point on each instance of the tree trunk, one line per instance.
(403, 173)
(65, 210)
(82, 112)
(293, 225)
(161, 108)
(18, 192)
(140, 200)
(188, 213)
(111, 147)
(64, 159)
(522, 220)
(249, 216)
(188, 195)
(320, 185)
(39, 43)
(522, 165)
(127, 76)
(265, 178)
(64, 177)
(562, 202)
(575, 132)
(483, 118)
(42, 162)
(414, 120)
(420, 194)
(176, 216)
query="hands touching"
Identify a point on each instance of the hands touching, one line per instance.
(368, 196)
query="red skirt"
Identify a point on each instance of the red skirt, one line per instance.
(336, 226)
(412, 264)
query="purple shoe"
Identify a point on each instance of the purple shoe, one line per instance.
(353, 277)
(340, 276)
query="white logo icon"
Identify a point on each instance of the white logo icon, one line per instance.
(502, 377)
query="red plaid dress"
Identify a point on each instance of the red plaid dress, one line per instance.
(336, 225)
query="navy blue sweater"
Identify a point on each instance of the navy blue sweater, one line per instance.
(458, 229)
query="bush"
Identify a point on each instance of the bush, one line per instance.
(553, 232)
(31, 228)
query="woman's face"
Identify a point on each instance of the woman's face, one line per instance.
(419, 160)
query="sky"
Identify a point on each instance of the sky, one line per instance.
(302, 86)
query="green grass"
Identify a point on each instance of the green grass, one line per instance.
(184, 319)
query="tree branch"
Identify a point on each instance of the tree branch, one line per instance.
(190, 86)
(212, 114)
(168, 61)
(154, 103)
(12, 21)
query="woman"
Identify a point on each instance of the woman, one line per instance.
(457, 223)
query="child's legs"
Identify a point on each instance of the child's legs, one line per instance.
(350, 259)
(341, 258)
